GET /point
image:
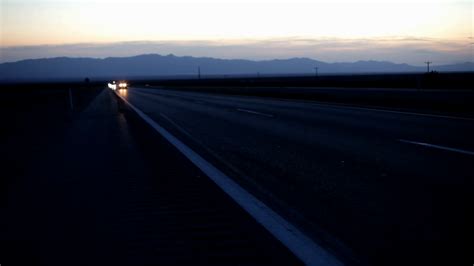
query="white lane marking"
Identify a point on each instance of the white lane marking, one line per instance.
(437, 146)
(347, 106)
(404, 113)
(253, 112)
(296, 241)
(176, 125)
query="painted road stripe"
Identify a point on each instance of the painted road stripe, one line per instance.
(253, 112)
(184, 131)
(437, 146)
(405, 113)
(296, 241)
(345, 106)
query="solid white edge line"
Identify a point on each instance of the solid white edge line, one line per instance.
(345, 106)
(401, 112)
(253, 112)
(437, 146)
(298, 243)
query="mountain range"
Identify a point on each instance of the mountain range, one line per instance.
(154, 65)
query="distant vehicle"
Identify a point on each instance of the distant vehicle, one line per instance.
(121, 85)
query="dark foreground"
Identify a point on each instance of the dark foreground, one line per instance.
(357, 179)
(98, 187)
(95, 185)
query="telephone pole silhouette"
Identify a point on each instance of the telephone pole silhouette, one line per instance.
(428, 66)
(316, 71)
(199, 72)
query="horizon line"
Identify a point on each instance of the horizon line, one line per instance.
(228, 59)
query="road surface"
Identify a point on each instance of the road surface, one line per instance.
(102, 189)
(382, 187)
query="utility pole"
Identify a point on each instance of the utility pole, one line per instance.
(199, 72)
(428, 66)
(316, 71)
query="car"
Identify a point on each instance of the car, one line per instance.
(122, 85)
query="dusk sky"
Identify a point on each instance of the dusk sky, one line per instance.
(398, 31)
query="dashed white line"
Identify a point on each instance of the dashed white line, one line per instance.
(346, 106)
(184, 131)
(437, 146)
(296, 241)
(411, 113)
(380, 109)
(253, 112)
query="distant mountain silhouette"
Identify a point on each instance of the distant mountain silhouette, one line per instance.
(157, 65)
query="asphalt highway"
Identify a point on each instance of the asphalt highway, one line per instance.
(378, 186)
(103, 189)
